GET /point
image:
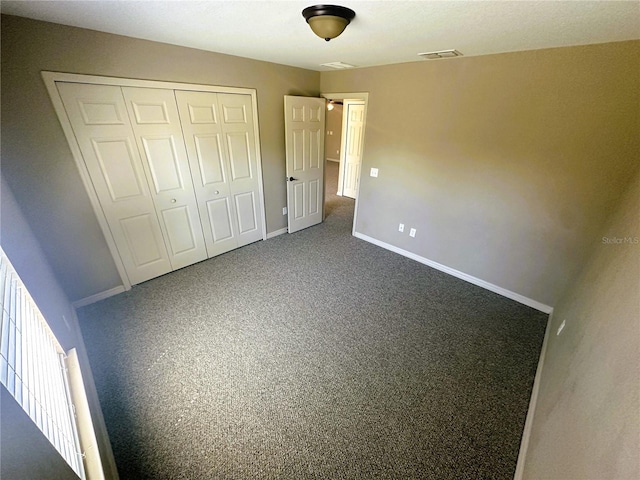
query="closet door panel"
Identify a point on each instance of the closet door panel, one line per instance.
(143, 238)
(180, 229)
(163, 163)
(239, 156)
(208, 156)
(210, 159)
(246, 211)
(101, 125)
(219, 213)
(239, 134)
(117, 164)
(156, 125)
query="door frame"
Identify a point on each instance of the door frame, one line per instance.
(50, 79)
(364, 96)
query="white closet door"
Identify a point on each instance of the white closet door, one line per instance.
(220, 138)
(238, 128)
(156, 125)
(207, 152)
(99, 119)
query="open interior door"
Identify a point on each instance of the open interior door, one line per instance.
(353, 128)
(304, 139)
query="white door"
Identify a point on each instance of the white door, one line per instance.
(220, 139)
(304, 138)
(352, 158)
(99, 119)
(156, 125)
(239, 136)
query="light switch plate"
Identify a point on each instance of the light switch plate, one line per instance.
(374, 172)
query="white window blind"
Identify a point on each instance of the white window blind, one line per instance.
(32, 367)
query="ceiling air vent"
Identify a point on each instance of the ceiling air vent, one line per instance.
(337, 65)
(440, 54)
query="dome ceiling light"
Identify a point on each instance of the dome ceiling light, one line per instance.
(328, 21)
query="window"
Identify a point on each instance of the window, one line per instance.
(33, 368)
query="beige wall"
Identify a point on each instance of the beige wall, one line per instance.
(506, 164)
(587, 421)
(25, 254)
(333, 124)
(36, 159)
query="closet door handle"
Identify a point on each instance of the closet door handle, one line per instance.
(216, 192)
(291, 179)
(173, 200)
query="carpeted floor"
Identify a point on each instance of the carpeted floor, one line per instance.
(313, 356)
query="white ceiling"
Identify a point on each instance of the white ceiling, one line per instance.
(383, 32)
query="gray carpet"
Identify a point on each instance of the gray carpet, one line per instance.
(313, 356)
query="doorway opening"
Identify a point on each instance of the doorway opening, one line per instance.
(344, 140)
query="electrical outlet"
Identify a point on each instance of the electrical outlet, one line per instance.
(401, 227)
(284, 210)
(561, 327)
(412, 232)
(374, 172)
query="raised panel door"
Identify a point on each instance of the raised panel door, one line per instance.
(239, 135)
(101, 125)
(304, 139)
(353, 148)
(207, 151)
(156, 125)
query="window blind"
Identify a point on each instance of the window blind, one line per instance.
(32, 367)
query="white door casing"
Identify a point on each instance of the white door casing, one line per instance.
(106, 140)
(156, 125)
(220, 140)
(304, 139)
(352, 149)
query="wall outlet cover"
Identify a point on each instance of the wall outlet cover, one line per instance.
(561, 327)
(374, 172)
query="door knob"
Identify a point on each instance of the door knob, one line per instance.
(216, 192)
(173, 200)
(291, 179)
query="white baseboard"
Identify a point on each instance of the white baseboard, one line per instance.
(98, 296)
(277, 232)
(456, 273)
(528, 424)
(337, 160)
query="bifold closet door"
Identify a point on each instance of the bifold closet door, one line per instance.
(220, 139)
(156, 125)
(99, 119)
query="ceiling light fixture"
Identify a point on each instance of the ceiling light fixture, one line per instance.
(328, 21)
